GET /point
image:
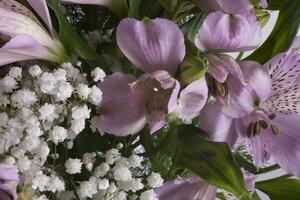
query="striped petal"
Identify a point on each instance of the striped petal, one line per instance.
(151, 45)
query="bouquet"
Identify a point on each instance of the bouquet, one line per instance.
(149, 100)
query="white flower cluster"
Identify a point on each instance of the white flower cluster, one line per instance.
(116, 178)
(40, 109)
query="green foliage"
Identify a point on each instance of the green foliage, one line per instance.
(71, 39)
(134, 8)
(281, 188)
(283, 33)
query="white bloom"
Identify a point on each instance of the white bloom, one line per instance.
(64, 91)
(122, 173)
(83, 91)
(73, 73)
(112, 188)
(101, 170)
(43, 151)
(87, 189)
(103, 184)
(3, 119)
(98, 74)
(8, 84)
(35, 71)
(47, 82)
(55, 184)
(34, 131)
(89, 159)
(95, 125)
(10, 160)
(155, 180)
(43, 197)
(77, 126)
(48, 112)
(135, 161)
(148, 195)
(133, 185)
(24, 164)
(120, 196)
(112, 155)
(80, 112)
(58, 134)
(3, 100)
(15, 72)
(60, 75)
(40, 181)
(73, 166)
(23, 98)
(95, 96)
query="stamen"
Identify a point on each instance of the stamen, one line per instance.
(275, 129)
(263, 124)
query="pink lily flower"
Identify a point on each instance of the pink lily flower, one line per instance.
(157, 48)
(264, 113)
(27, 38)
(238, 30)
(9, 179)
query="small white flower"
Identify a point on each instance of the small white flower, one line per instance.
(154, 180)
(87, 189)
(3, 119)
(64, 91)
(148, 195)
(95, 96)
(55, 184)
(3, 100)
(77, 126)
(98, 74)
(89, 159)
(120, 196)
(15, 72)
(47, 82)
(40, 181)
(23, 98)
(80, 112)
(101, 170)
(58, 134)
(60, 75)
(48, 112)
(112, 155)
(10, 160)
(134, 185)
(73, 166)
(103, 184)
(24, 164)
(35, 71)
(122, 173)
(8, 84)
(135, 161)
(95, 125)
(43, 197)
(83, 91)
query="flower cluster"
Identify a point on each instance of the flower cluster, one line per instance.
(41, 109)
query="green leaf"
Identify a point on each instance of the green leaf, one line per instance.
(134, 7)
(282, 188)
(283, 33)
(212, 161)
(195, 25)
(168, 4)
(71, 39)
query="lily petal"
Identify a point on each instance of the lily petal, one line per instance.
(234, 33)
(221, 65)
(151, 45)
(42, 10)
(220, 127)
(192, 99)
(124, 112)
(243, 98)
(190, 188)
(24, 47)
(238, 7)
(286, 151)
(260, 147)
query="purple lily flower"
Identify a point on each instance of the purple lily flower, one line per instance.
(264, 113)
(238, 30)
(9, 179)
(194, 188)
(129, 104)
(27, 38)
